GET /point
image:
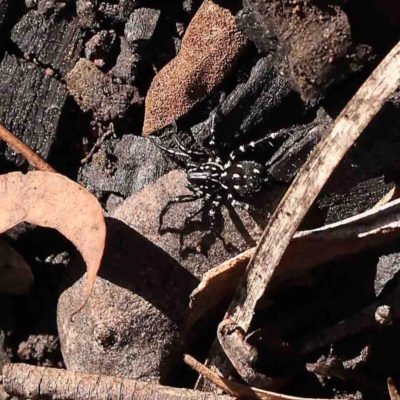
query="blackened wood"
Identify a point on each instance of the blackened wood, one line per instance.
(55, 43)
(249, 107)
(30, 106)
(136, 161)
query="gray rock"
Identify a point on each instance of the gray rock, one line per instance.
(141, 25)
(130, 324)
(126, 69)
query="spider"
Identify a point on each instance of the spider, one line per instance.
(216, 182)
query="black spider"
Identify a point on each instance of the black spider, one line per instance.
(216, 182)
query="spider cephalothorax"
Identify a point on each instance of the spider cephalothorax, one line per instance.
(216, 182)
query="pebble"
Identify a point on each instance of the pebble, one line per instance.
(94, 91)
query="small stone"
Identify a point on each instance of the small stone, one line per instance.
(100, 47)
(41, 349)
(94, 91)
(384, 315)
(30, 3)
(191, 6)
(141, 25)
(126, 68)
(86, 10)
(118, 12)
(210, 48)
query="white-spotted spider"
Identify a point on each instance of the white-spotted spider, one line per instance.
(216, 182)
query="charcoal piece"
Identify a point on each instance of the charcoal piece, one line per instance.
(127, 67)
(141, 25)
(301, 140)
(30, 107)
(118, 12)
(54, 43)
(313, 60)
(94, 91)
(126, 169)
(260, 31)
(387, 268)
(367, 171)
(87, 13)
(100, 47)
(49, 7)
(249, 107)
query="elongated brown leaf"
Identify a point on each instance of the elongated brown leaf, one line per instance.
(51, 200)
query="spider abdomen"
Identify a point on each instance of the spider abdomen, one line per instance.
(244, 178)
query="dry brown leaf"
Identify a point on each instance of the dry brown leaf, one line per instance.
(51, 200)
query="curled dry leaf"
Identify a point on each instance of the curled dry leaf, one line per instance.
(51, 200)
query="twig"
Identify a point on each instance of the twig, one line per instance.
(362, 320)
(20, 147)
(393, 194)
(98, 143)
(307, 249)
(27, 381)
(393, 393)
(237, 389)
(351, 122)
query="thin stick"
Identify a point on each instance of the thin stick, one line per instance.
(20, 147)
(235, 388)
(349, 125)
(28, 381)
(393, 393)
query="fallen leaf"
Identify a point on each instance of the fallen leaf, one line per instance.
(16, 275)
(51, 200)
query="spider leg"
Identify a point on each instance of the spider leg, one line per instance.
(212, 141)
(246, 206)
(243, 149)
(214, 206)
(179, 199)
(171, 151)
(198, 153)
